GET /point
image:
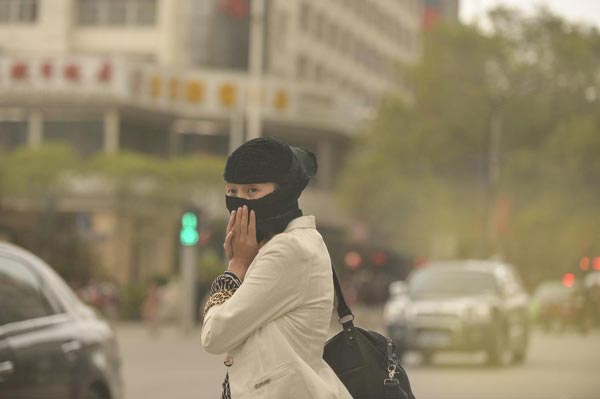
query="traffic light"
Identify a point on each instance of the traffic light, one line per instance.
(188, 233)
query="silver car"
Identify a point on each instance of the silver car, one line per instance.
(467, 305)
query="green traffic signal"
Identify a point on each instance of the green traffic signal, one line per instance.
(189, 219)
(188, 235)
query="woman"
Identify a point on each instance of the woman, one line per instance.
(270, 311)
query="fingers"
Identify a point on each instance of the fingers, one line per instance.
(252, 225)
(244, 226)
(228, 239)
(231, 221)
(238, 223)
(228, 245)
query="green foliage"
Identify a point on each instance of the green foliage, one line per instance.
(125, 166)
(147, 191)
(497, 147)
(195, 169)
(37, 171)
(44, 171)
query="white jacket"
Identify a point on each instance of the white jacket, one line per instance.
(276, 323)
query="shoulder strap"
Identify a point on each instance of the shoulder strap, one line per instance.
(345, 315)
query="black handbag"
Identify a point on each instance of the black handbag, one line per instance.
(364, 360)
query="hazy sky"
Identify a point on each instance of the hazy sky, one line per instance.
(575, 10)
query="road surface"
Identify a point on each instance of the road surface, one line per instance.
(559, 366)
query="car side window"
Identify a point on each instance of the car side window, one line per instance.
(21, 293)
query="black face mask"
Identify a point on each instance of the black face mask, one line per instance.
(273, 212)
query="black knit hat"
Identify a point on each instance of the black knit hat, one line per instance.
(264, 160)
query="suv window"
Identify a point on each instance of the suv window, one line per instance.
(451, 282)
(21, 293)
(509, 282)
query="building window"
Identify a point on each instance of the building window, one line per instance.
(334, 36)
(18, 11)
(344, 42)
(145, 12)
(280, 27)
(350, 47)
(319, 22)
(305, 16)
(319, 73)
(357, 6)
(328, 32)
(301, 67)
(116, 12)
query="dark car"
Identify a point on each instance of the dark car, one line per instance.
(461, 306)
(51, 344)
(592, 288)
(556, 306)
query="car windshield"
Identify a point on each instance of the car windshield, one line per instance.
(451, 282)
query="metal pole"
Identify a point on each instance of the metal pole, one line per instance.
(493, 178)
(188, 286)
(254, 97)
(111, 127)
(325, 151)
(236, 130)
(35, 128)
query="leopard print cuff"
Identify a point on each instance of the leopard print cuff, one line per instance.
(217, 299)
(222, 289)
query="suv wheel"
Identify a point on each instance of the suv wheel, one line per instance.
(94, 392)
(520, 353)
(498, 351)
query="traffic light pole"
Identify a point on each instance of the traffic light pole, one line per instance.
(255, 95)
(187, 267)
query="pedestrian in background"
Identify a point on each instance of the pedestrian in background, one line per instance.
(270, 311)
(151, 308)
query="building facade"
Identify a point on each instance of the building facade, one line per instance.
(172, 77)
(435, 10)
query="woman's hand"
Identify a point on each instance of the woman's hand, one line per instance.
(243, 242)
(228, 246)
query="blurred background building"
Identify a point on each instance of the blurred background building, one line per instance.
(175, 77)
(436, 10)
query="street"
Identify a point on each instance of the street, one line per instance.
(559, 366)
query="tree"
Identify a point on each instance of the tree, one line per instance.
(494, 153)
(144, 191)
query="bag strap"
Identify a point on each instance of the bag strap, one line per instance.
(345, 315)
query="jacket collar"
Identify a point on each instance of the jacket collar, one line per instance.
(302, 222)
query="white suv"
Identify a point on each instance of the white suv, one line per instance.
(463, 305)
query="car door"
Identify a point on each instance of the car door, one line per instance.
(8, 383)
(36, 331)
(515, 300)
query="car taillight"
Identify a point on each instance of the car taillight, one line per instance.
(568, 279)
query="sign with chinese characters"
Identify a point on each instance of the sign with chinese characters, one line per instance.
(186, 92)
